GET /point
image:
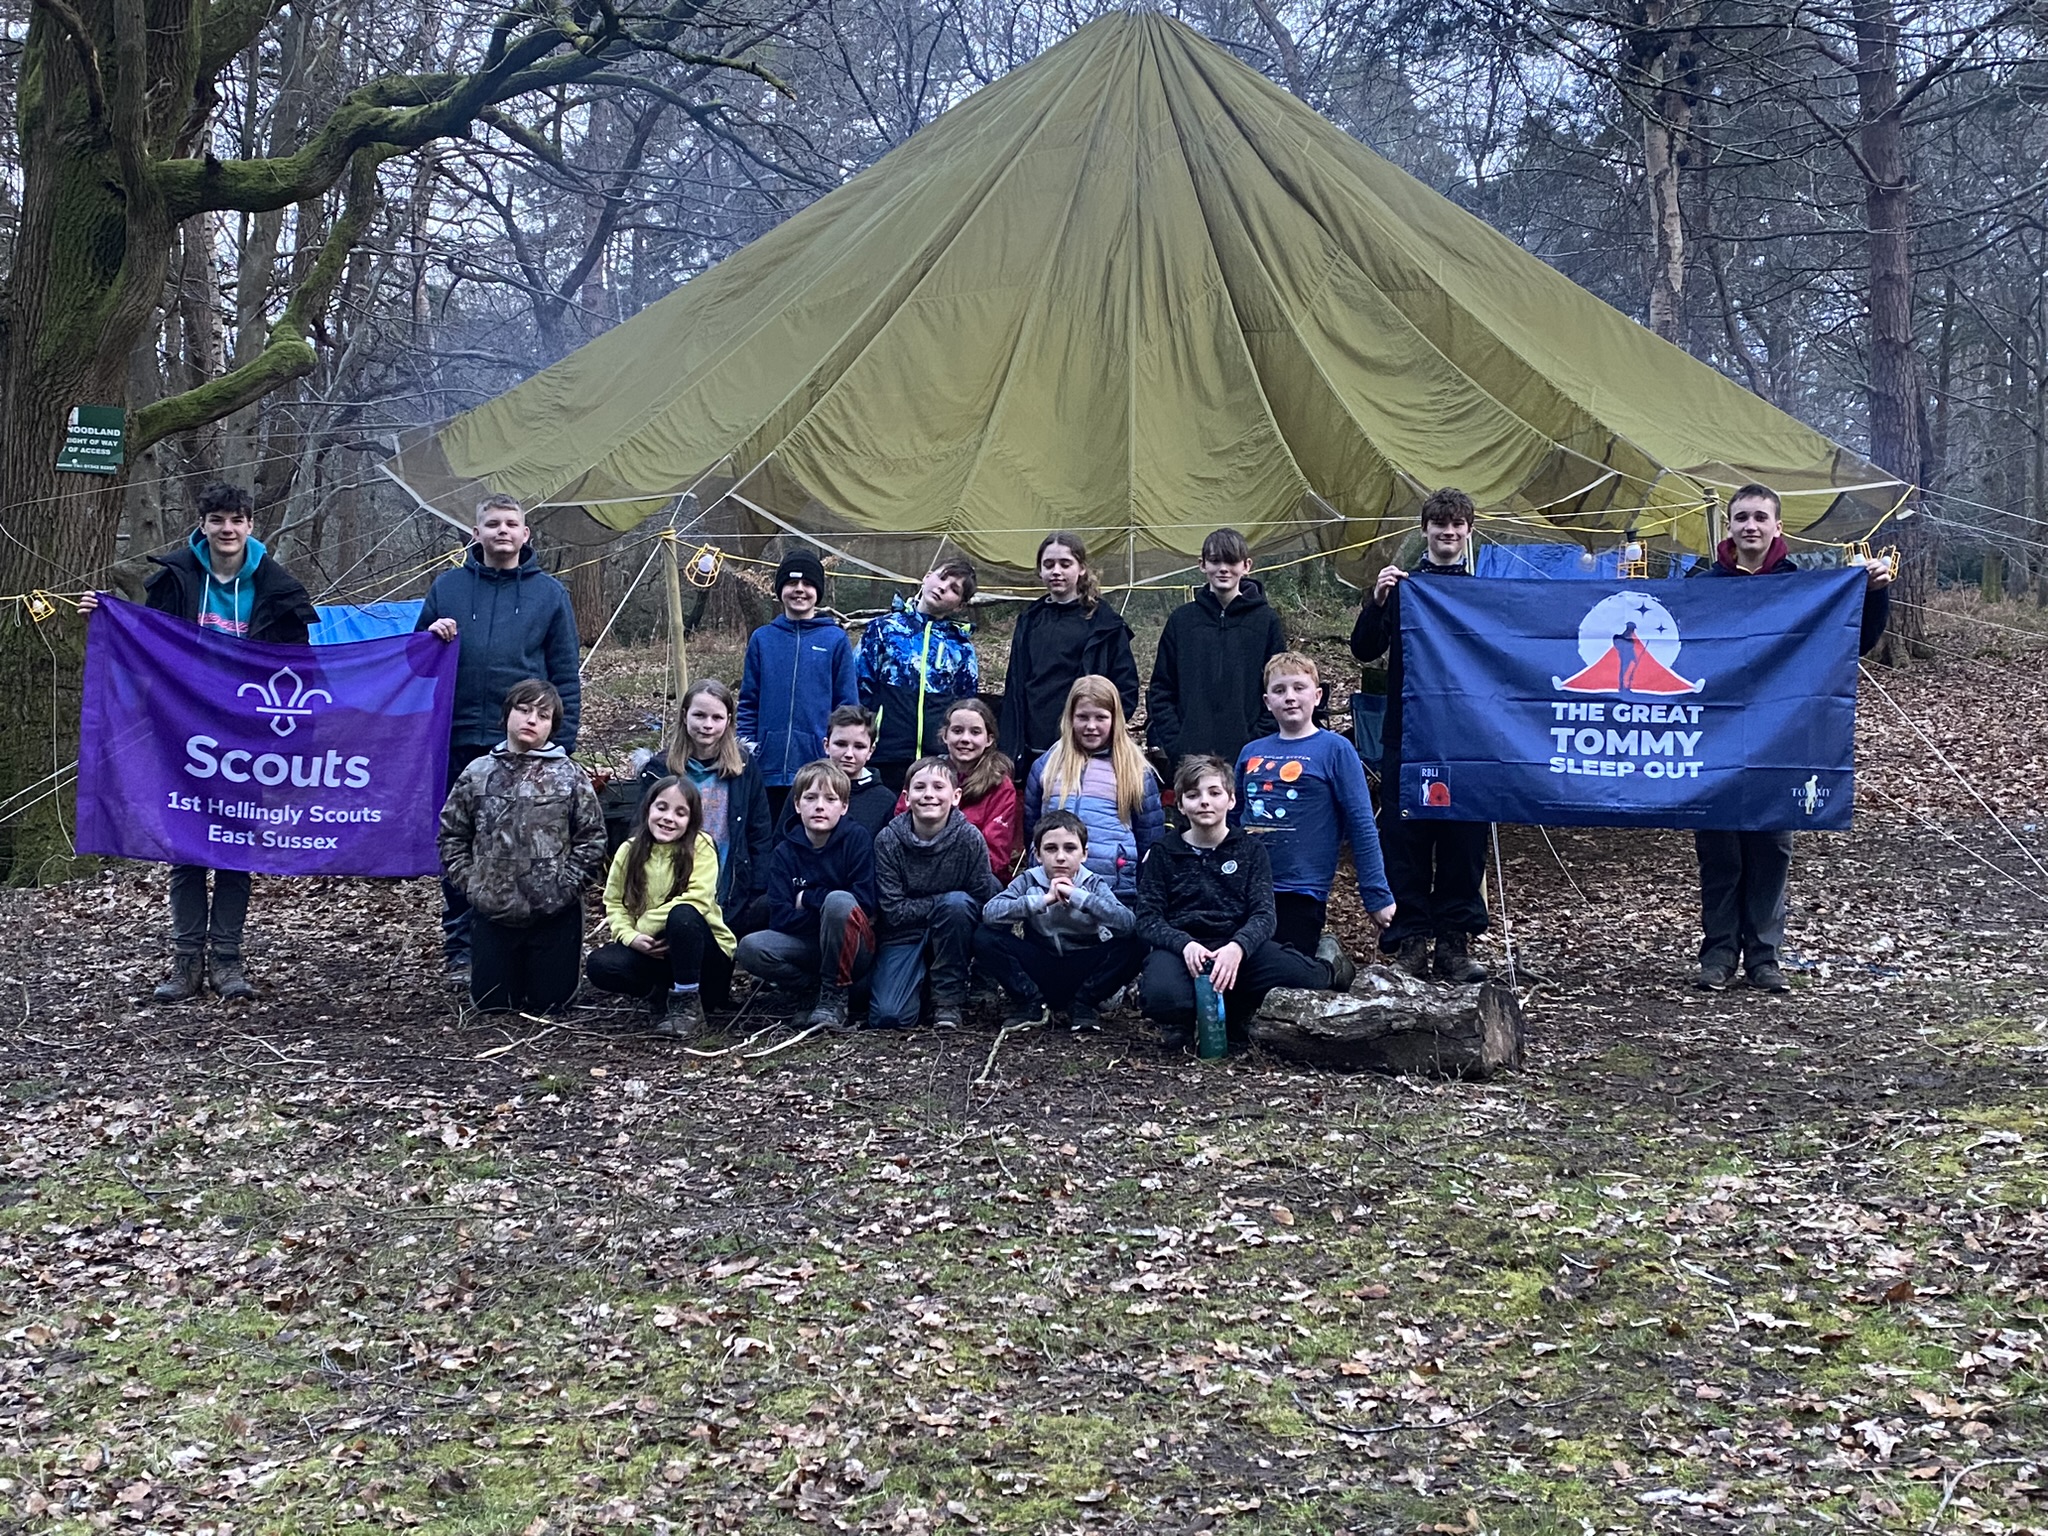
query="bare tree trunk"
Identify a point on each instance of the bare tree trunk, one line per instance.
(1898, 418)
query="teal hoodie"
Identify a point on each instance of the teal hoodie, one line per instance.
(227, 602)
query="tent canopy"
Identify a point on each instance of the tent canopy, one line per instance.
(1136, 290)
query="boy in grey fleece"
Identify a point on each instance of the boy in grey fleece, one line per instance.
(932, 890)
(1058, 936)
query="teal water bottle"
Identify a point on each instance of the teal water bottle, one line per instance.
(1212, 1040)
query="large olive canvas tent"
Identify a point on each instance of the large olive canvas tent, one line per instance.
(1135, 289)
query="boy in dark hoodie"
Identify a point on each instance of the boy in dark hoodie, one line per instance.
(1743, 875)
(1205, 696)
(932, 872)
(516, 622)
(223, 581)
(849, 743)
(1205, 906)
(821, 899)
(799, 668)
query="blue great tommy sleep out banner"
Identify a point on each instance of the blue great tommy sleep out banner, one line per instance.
(196, 748)
(1714, 704)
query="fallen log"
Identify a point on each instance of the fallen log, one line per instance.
(1390, 1022)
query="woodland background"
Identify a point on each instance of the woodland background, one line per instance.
(284, 234)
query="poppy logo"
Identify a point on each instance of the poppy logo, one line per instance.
(1436, 793)
(285, 699)
(1629, 644)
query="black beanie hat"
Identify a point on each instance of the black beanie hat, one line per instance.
(801, 564)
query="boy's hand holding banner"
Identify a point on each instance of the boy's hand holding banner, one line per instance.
(1724, 704)
(277, 759)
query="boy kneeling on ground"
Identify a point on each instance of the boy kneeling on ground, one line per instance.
(1057, 937)
(1205, 906)
(931, 869)
(821, 899)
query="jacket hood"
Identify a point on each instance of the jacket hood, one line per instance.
(1775, 556)
(1250, 595)
(794, 832)
(474, 563)
(801, 626)
(203, 553)
(551, 750)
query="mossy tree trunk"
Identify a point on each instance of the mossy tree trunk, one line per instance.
(114, 101)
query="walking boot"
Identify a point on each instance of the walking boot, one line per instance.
(187, 979)
(1454, 962)
(229, 984)
(685, 1017)
(1413, 957)
(830, 1014)
(1343, 969)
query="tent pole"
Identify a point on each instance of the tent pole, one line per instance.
(672, 576)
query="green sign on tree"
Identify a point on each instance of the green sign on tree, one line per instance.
(93, 440)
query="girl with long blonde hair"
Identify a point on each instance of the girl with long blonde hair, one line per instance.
(1097, 772)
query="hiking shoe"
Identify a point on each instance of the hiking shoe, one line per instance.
(1343, 969)
(946, 1012)
(830, 1012)
(1768, 978)
(684, 1019)
(455, 972)
(1715, 976)
(1176, 1039)
(1026, 1015)
(229, 984)
(1454, 962)
(1084, 1017)
(1413, 957)
(187, 977)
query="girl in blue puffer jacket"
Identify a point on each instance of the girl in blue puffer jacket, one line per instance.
(1098, 773)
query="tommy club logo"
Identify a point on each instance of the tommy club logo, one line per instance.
(286, 699)
(1629, 644)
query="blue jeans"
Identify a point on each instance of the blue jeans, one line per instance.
(948, 939)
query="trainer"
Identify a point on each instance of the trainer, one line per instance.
(516, 622)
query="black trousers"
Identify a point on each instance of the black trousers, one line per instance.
(1167, 992)
(1301, 919)
(1435, 869)
(532, 969)
(693, 960)
(455, 905)
(1742, 895)
(198, 925)
(1033, 972)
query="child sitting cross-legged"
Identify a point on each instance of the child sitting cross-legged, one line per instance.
(1205, 907)
(670, 943)
(931, 869)
(521, 836)
(820, 897)
(1058, 937)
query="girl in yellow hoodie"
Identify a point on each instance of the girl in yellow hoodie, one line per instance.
(670, 944)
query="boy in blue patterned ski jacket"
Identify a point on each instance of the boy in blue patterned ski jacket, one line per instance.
(914, 661)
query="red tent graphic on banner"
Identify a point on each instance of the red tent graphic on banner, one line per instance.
(1628, 642)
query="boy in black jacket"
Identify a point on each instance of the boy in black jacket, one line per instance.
(1205, 905)
(224, 581)
(849, 743)
(1207, 696)
(821, 899)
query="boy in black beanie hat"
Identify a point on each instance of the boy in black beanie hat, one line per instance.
(799, 668)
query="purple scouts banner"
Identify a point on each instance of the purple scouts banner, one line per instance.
(196, 748)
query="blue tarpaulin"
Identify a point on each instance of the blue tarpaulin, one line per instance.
(1560, 562)
(1703, 704)
(364, 621)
